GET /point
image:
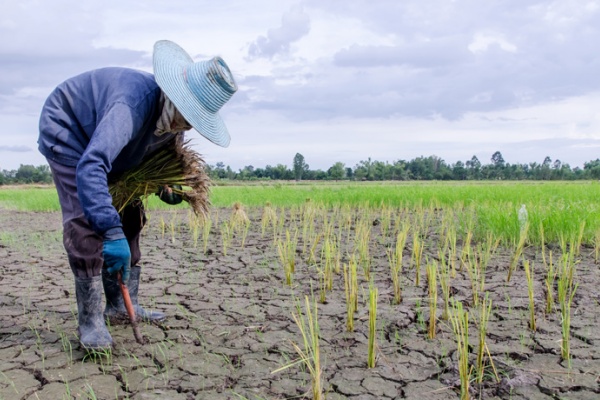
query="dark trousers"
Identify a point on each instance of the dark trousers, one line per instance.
(83, 245)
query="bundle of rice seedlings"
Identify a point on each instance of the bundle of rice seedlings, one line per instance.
(175, 164)
(238, 216)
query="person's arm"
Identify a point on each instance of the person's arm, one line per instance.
(112, 134)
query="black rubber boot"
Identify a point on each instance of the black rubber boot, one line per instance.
(93, 334)
(115, 307)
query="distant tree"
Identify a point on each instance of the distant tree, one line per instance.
(337, 171)
(349, 173)
(299, 166)
(459, 172)
(497, 159)
(592, 168)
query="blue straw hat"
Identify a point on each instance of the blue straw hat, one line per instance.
(198, 90)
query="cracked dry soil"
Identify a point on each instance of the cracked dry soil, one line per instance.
(231, 324)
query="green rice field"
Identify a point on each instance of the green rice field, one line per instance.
(555, 209)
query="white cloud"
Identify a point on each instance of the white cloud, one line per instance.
(482, 41)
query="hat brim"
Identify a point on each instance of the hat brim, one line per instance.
(170, 62)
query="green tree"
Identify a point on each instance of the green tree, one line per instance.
(299, 166)
(337, 171)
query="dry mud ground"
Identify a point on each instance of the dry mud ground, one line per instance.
(231, 325)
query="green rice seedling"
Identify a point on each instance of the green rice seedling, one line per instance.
(444, 274)
(566, 291)
(373, 296)
(206, 226)
(239, 222)
(9, 382)
(543, 242)
(351, 290)
(226, 234)
(89, 392)
(417, 255)
(66, 346)
(485, 310)
(550, 277)
(163, 226)
(452, 249)
(466, 249)
(195, 229)
(395, 261)
(312, 254)
(362, 240)
(172, 225)
(579, 239)
(597, 246)
(518, 251)
(385, 220)
(330, 260)
(269, 218)
(460, 326)
(310, 353)
(529, 271)
(474, 271)
(287, 254)
(431, 270)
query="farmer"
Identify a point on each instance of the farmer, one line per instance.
(94, 127)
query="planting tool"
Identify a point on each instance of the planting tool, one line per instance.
(130, 310)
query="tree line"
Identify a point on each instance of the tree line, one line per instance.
(420, 168)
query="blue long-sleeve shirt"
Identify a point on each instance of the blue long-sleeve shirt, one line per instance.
(101, 122)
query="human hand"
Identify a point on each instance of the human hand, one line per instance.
(170, 196)
(117, 257)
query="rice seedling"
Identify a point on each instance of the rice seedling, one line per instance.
(226, 235)
(395, 261)
(431, 270)
(362, 240)
(287, 254)
(518, 251)
(549, 281)
(452, 249)
(466, 249)
(309, 354)
(269, 218)
(206, 226)
(460, 325)
(597, 246)
(529, 271)
(351, 290)
(417, 254)
(373, 296)
(385, 220)
(579, 239)
(444, 274)
(330, 260)
(566, 289)
(312, 254)
(485, 310)
(543, 242)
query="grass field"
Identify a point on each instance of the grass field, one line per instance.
(556, 209)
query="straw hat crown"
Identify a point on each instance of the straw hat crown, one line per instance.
(198, 89)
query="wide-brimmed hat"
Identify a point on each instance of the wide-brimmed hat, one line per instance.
(198, 89)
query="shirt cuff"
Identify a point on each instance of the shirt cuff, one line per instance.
(114, 234)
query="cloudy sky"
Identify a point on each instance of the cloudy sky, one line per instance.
(335, 80)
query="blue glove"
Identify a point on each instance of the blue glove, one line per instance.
(117, 257)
